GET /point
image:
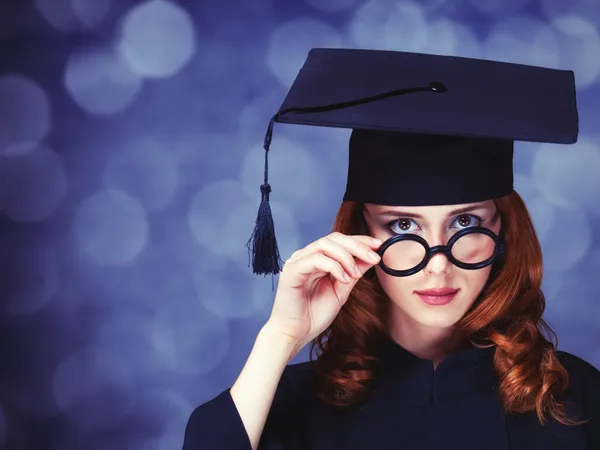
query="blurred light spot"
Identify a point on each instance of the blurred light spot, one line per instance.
(541, 210)
(405, 28)
(255, 113)
(95, 388)
(36, 185)
(39, 279)
(389, 26)
(59, 14)
(165, 411)
(579, 48)
(567, 241)
(332, 5)
(213, 292)
(296, 177)
(128, 335)
(574, 309)
(165, 406)
(554, 9)
(24, 114)
(158, 38)
(91, 12)
(447, 37)
(500, 8)
(100, 82)
(214, 155)
(522, 39)
(289, 44)
(569, 177)
(329, 145)
(209, 209)
(111, 227)
(146, 170)
(552, 283)
(228, 291)
(190, 339)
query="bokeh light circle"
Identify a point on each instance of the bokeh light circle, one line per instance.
(24, 113)
(158, 38)
(100, 82)
(111, 227)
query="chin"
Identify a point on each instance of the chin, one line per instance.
(443, 316)
(437, 320)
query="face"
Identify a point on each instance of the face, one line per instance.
(436, 224)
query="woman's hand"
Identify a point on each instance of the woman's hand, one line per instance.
(315, 283)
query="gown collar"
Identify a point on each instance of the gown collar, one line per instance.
(465, 373)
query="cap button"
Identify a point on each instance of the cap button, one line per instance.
(436, 86)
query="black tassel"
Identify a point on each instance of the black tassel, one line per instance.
(263, 244)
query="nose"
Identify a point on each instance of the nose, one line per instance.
(439, 263)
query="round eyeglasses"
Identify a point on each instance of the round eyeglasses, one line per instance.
(471, 248)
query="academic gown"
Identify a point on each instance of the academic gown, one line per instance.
(412, 407)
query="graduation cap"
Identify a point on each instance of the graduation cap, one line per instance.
(426, 129)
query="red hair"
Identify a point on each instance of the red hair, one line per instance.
(507, 315)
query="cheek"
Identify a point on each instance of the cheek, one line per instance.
(473, 281)
(394, 287)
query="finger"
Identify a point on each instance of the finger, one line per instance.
(366, 239)
(360, 247)
(316, 246)
(317, 264)
(339, 253)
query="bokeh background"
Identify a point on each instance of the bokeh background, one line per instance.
(130, 166)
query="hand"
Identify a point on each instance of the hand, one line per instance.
(315, 283)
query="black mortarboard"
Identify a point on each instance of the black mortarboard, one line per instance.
(427, 129)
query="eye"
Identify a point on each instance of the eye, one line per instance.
(402, 225)
(467, 221)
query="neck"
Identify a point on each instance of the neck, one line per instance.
(431, 343)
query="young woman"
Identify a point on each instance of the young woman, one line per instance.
(423, 306)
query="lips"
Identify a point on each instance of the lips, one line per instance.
(437, 296)
(438, 291)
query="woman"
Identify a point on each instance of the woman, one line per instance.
(423, 305)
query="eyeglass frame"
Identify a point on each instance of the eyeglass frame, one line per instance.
(499, 248)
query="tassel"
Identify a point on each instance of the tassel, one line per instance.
(262, 244)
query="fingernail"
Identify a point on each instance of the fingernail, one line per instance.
(373, 256)
(357, 271)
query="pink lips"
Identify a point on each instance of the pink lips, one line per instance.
(438, 296)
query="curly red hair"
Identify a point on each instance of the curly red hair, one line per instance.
(507, 315)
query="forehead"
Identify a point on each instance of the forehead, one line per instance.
(432, 211)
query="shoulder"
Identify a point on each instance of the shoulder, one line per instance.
(584, 379)
(580, 370)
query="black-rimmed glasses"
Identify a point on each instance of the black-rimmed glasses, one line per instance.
(471, 248)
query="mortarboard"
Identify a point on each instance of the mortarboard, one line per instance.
(426, 129)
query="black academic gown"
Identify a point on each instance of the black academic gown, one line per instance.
(413, 407)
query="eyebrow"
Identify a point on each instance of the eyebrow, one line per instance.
(398, 213)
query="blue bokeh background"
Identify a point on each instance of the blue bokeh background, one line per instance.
(130, 166)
